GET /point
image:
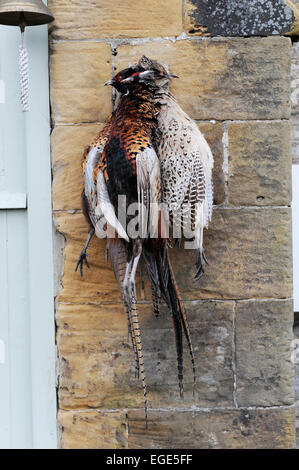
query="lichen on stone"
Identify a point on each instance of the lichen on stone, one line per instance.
(241, 18)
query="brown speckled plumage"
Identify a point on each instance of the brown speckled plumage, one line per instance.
(186, 164)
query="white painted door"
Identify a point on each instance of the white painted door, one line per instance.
(27, 344)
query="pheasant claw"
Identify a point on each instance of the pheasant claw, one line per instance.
(81, 260)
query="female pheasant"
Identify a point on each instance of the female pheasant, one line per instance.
(186, 163)
(121, 174)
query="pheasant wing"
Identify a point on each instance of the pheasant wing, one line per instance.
(90, 160)
(149, 191)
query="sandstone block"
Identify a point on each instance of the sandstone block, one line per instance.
(223, 429)
(249, 253)
(78, 73)
(92, 429)
(264, 333)
(68, 143)
(117, 19)
(260, 164)
(98, 283)
(225, 79)
(97, 361)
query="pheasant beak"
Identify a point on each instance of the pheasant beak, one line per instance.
(110, 82)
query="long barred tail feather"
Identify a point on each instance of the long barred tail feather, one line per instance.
(170, 297)
(185, 325)
(137, 335)
(200, 263)
(163, 286)
(117, 251)
(119, 256)
(131, 334)
(154, 278)
(162, 276)
(177, 328)
(156, 298)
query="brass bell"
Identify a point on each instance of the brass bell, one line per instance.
(24, 13)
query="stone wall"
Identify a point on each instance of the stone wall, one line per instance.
(238, 90)
(295, 155)
(295, 102)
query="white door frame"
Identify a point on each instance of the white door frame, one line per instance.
(39, 419)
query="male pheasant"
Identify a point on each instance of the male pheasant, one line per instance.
(122, 162)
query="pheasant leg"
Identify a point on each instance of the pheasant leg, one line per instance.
(83, 255)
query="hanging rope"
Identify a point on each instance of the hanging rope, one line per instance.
(24, 76)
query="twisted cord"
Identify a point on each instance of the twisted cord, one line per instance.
(24, 76)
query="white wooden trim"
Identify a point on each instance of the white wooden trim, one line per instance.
(13, 200)
(41, 289)
(27, 334)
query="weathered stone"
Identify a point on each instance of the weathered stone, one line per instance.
(98, 283)
(294, 31)
(58, 248)
(223, 429)
(227, 79)
(78, 73)
(249, 253)
(295, 139)
(295, 102)
(214, 133)
(93, 429)
(68, 143)
(260, 164)
(248, 250)
(238, 18)
(92, 20)
(97, 362)
(265, 373)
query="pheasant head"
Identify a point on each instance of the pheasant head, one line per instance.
(158, 74)
(148, 73)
